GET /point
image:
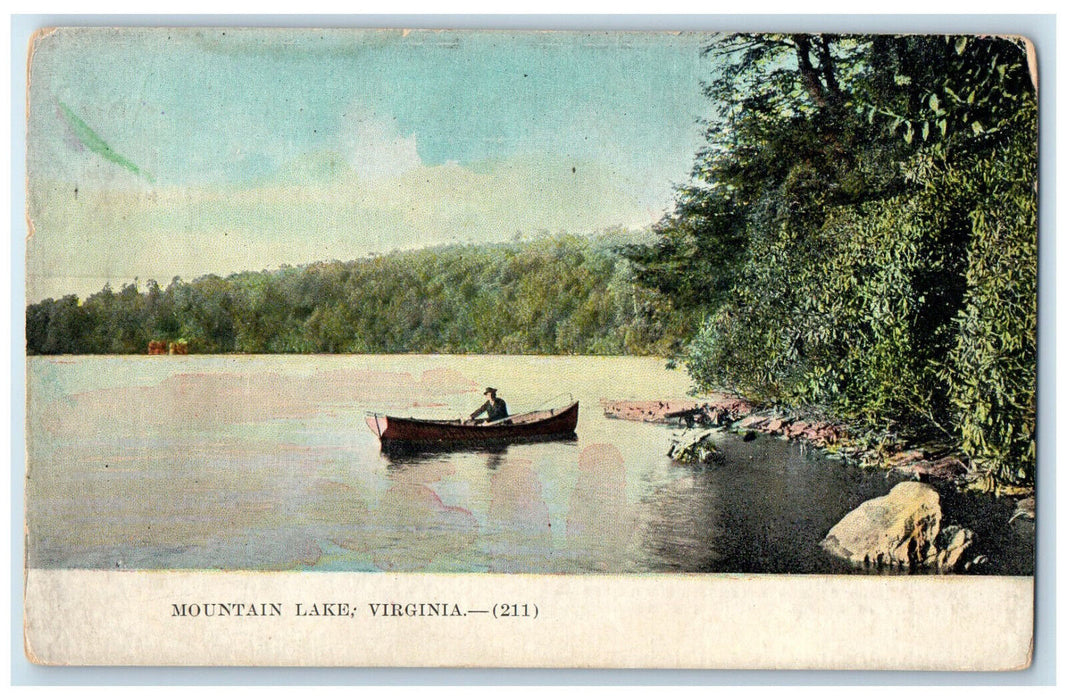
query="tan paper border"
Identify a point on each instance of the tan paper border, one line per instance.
(929, 623)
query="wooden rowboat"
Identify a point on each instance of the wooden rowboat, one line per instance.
(415, 432)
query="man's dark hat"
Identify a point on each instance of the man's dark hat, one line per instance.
(489, 390)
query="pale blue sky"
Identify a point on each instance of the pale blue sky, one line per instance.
(259, 147)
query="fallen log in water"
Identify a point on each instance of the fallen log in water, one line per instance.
(661, 411)
(715, 409)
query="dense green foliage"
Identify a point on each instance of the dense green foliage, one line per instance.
(993, 367)
(876, 260)
(564, 295)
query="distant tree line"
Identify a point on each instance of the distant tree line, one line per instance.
(860, 237)
(560, 295)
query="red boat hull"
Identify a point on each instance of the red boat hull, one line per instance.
(391, 430)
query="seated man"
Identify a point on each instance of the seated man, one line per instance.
(494, 408)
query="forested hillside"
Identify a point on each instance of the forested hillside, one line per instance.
(561, 295)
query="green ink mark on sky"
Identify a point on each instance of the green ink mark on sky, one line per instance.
(91, 140)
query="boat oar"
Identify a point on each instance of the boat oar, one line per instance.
(551, 412)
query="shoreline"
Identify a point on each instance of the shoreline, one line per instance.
(735, 414)
(910, 527)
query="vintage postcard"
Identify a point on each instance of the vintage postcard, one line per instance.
(530, 349)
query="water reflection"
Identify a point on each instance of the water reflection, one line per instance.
(405, 452)
(401, 454)
(681, 528)
(304, 485)
(518, 528)
(412, 526)
(601, 522)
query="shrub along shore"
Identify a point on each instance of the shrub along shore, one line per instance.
(859, 240)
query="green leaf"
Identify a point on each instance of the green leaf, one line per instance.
(934, 102)
(961, 44)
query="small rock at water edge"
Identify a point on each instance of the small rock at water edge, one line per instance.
(697, 449)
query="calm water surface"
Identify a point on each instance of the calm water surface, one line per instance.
(264, 462)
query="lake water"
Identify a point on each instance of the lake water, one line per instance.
(265, 462)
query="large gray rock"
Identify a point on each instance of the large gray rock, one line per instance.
(899, 529)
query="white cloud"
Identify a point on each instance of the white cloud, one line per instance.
(374, 147)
